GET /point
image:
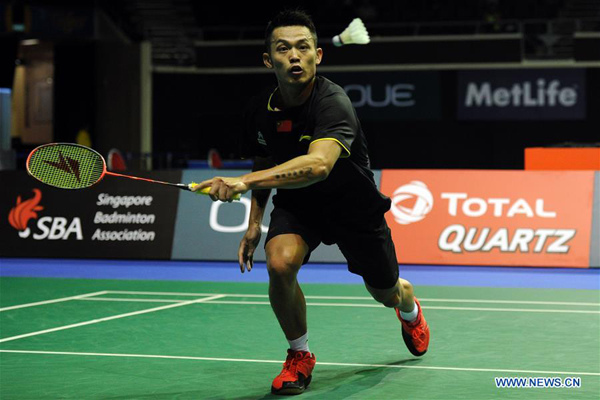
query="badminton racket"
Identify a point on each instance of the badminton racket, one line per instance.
(73, 166)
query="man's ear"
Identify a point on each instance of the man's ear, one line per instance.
(267, 60)
(319, 55)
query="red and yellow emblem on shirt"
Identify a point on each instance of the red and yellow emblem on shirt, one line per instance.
(284, 126)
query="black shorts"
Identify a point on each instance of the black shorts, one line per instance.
(366, 244)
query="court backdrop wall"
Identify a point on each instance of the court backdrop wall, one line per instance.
(444, 217)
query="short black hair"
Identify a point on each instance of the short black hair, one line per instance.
(290, 17)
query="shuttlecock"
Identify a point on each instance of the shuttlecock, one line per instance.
(355, 33)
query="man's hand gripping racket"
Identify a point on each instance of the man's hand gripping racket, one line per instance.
(221, 188)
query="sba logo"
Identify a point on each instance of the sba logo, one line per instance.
(51, 228)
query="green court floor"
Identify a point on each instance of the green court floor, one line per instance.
(111, 339)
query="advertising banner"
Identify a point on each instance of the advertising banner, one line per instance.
(513, 94)
(207, 230)
(117, 218)
(392, 95)
(595, 237)
(453, 217)
(504, 218)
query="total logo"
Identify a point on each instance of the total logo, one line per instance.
(411, 203)
(22, 215)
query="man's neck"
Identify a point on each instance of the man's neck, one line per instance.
(290, 96)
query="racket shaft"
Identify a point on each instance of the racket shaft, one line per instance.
(137, 178)
(183, 186)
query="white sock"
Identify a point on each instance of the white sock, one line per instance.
(410, 316)
(300, 344)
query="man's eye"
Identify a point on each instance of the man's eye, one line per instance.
(282, 48)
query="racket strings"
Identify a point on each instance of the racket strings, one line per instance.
(66, 166)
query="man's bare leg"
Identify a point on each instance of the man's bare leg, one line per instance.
(415, 331)
(285, 254)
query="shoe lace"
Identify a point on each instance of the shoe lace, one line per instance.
(417, 334)
(291, 364)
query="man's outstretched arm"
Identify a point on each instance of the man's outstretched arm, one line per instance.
(298, 172)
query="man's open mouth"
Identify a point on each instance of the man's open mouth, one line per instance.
(296, 70)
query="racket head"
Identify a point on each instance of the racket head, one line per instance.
(66, 165)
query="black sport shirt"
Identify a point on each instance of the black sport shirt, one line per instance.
(282, 135)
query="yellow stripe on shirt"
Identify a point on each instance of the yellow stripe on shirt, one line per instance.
(347, 152)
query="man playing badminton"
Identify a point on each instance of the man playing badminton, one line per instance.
(307, 143)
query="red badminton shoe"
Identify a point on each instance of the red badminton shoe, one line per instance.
(415, 333)
(296, 374)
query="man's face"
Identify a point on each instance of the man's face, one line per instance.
(293, 55)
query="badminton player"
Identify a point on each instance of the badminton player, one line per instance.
(307, 143)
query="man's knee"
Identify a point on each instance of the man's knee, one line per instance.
(283, 265)
(391, 301)
(388, 297)
(284, 260)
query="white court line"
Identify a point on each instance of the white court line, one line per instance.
(511, 310)
(95, 321)
(347, 305)
(424, 307)
(261, 296)
(564, 303)
(132, 300)
(40, 303)
(243, 360)
(547, 303)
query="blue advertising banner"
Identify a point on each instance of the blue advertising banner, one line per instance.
(207, 230)
(519, 94)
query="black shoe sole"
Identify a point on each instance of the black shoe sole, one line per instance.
(292, 390)
(409, 344)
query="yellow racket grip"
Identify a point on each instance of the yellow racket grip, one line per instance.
(206, 190)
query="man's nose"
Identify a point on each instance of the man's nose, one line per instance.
(294, 54)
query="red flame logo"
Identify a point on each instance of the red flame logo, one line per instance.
(20, 214)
